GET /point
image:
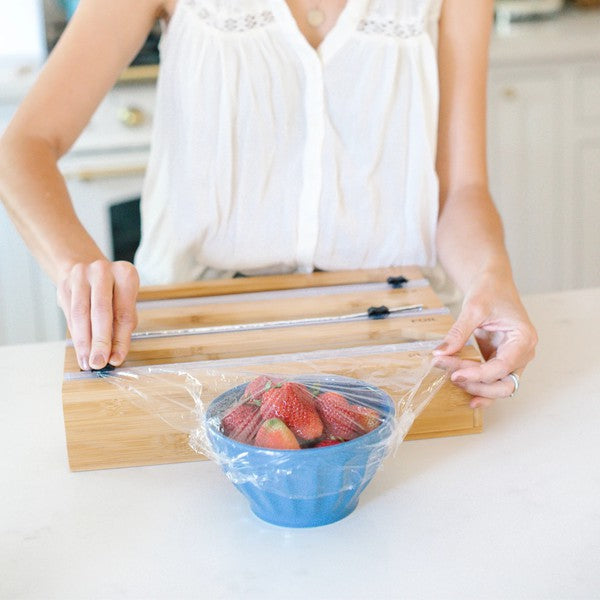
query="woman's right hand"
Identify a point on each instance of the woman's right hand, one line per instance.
(97, 296)
(99, 302)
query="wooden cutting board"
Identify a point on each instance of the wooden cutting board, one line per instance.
(108, 426)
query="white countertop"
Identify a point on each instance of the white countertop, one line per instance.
(511, 513)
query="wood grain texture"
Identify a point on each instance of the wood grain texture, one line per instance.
(280, 340)
(183, 317)
(109, 425)
(240, 285)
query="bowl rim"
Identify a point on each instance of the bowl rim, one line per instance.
(388, 418)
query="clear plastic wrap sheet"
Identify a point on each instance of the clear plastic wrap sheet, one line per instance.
(296, 425)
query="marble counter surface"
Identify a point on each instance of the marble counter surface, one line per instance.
(513, 512)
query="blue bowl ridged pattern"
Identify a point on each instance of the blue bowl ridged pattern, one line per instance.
(309, 487)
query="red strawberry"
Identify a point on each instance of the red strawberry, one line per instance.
(258, 386)
(329, 442)
(274, 433)
(337, 415)
(294, 405)
(367, 418)
(242, 422)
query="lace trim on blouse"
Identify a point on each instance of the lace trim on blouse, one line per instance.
(238, 23)
(232, 23)
(391, 27)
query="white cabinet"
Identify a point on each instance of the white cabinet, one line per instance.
(526, 136)
(544, 160)
(544, 150)
(584, 175)
(586, 213)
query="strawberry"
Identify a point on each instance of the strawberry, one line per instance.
(367, 418)
(258, 386)
(328, 442)
(242, 422)
(293, 404)
(274, 433)
(337, 415)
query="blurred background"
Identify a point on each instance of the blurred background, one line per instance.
(543, 149)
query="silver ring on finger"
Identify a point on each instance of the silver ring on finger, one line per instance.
(516, 380)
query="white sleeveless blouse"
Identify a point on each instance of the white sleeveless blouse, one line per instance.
(269, 156)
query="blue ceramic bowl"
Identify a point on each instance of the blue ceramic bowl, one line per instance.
(308, 487)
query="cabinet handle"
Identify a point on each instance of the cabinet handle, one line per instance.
(93, 174)
(132, 116)
(510, 92)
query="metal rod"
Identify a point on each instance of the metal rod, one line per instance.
(267, 325)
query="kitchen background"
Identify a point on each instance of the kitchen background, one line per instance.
(543, 149)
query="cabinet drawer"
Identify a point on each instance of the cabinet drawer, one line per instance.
(587, 94)
(122, 121)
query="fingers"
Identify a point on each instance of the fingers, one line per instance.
(456, 366)
(453, 363)
(79, 318)
(502, 388)
(506, 338)
(485, 399)
(101, 313)
(483, 392)
(515, 348)
(459, 334)
(483, 402)
(488, 372)
(489, 379)
(124, 312)
(99, 302)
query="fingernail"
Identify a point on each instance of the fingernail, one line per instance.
(459, 379)
(83, 362)
(97, 361)
(441, 348)
(115, 359)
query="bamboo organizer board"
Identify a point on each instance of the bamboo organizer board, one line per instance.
(106, 428)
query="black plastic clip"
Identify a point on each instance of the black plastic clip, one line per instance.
(378, 312)
(397, 282)
(106, 369)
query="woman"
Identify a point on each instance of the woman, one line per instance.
(289, 135)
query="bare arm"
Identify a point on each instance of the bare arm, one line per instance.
(98, 297)
(470, 237)
(461, 159)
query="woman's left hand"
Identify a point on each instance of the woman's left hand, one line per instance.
(493, 312)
